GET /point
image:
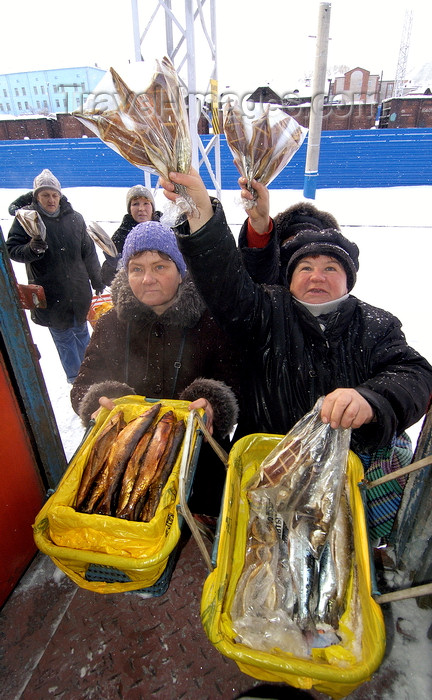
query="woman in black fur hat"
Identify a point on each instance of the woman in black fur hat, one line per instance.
(308, 338)
(262, 240)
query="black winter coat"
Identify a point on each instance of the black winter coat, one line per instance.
(133, 350)
(109, 266)
(63, 270)
(290, 361)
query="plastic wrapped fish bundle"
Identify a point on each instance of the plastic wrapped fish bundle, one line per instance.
(261, 147)
(290, 596)
(149, 129)
(299, 547)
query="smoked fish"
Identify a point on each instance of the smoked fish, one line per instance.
(132, 469)
(148, 467)
(167, 463)
(98, 455)
(120, 453)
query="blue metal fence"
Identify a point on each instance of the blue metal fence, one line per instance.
(375, 158)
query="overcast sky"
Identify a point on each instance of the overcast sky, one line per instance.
(259, 42)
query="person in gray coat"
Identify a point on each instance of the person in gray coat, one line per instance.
(65, 263)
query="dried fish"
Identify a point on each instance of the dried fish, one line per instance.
(264, 147)
(98, 456)
(150, 129)
(132, 469)
(299, 495)
(148, 467)
(120, 453)
(167, 463)
(101, 238)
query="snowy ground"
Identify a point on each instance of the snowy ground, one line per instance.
(393, 229)
(391, 226)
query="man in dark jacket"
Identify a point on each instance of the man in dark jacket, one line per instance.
(64, 262)
(318, 341)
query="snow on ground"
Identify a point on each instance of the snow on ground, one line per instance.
(391, 226)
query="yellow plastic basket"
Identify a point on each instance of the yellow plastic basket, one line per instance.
(333, 670)
(79, 543)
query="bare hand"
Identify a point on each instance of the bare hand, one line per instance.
(197, 192)
(206, 405)
(259, 216)
(104, 402)
(346, 408)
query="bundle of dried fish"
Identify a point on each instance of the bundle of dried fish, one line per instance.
(101, 238)
(129, 466)
(32, 223)
(150, 129)
(263, 147)
(299, 551)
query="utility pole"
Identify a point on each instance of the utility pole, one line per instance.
(317, 102)
(188, 32)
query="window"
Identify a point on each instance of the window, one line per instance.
(16, 92)
(45, 104)
(4, 93)
(42, 89)
(35, 89)
(57, 102)
(38, 104)
(1, 107)
(19, 105)
(8, 107)
(26, 104)
(23, 90)
(55, 88)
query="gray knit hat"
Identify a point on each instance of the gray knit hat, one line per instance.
(139, 191)
(152, 235)
(45, 181)
(328, 242)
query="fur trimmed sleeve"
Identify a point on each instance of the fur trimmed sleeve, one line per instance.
(222, 399)
(90, 401)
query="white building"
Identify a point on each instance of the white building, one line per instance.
(47, 91)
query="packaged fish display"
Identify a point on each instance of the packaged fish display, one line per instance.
(113, 525)
(261, 147)
(129, 465)
(299, 548)
(150, 129)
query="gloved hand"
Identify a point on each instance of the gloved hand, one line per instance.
(38, 245)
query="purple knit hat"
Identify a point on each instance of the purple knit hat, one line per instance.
(152, 235)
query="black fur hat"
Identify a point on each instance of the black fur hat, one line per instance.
(327, 242)
(299, 217)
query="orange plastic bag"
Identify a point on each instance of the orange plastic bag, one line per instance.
(99, 305)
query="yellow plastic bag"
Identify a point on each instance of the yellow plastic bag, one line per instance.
(332, 670)
(76, 540)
